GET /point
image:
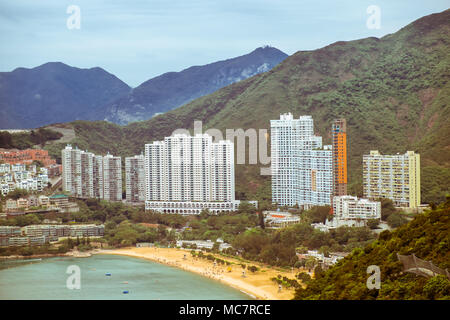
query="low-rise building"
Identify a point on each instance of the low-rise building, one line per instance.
(70, 207)
(352, 211)
(82, 230)
(194, 207)
(33, 201)
(352, 207)
(11, 205)
(144, 245)
(18, 167)
(18, 176)
(10, 231)
(22, 203)
(4, 241)
(18, 241)
(46, 230)
(43, 200)
(59, 200)
(329, 260)
(22, 157)
(203, 244)
(277, 219)
(4, 189)
(87, 230)
(5, 168)
(54, 170)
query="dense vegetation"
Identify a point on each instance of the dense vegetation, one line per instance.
(427, 236)
(25, 140)
(244, 229)
(394, 93)
(278, 247)
(33, 250)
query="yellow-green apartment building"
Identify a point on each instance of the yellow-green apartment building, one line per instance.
(396, 177)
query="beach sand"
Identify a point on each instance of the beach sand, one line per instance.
(258, 284)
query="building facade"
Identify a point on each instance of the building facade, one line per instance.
(97, 176)
(112, 178)
(135, 178)
(71, 170)
(302, 170)
(86, 175)
(277, 219)
(26, 156)
(396, 177)
(353, 208)
(187, 174)
(339, 137)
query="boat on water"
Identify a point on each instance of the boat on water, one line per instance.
(108, 274)
(125, 292)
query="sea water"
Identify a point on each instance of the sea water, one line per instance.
(46, 279)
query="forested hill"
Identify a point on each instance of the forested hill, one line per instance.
(427, 236)
(394, 93)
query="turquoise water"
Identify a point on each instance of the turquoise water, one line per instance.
(46, 279)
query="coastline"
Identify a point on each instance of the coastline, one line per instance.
(73, 253)
(257, 285)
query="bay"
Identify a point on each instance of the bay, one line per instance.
(45, 279)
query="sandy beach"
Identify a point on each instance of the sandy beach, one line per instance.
(258, 284)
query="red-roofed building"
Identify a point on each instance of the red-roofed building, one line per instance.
(26, 156)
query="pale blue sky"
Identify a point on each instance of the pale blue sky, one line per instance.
(139, 39)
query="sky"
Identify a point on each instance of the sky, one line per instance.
(140, 39)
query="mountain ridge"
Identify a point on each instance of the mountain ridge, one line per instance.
(69, 95)
(394, 93)
(54, 92)
(173, 89)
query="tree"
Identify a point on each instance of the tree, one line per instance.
(161, 231)
(5, 140)
(310, 263)
(395, 220)
(38, 163)
(216, 246)
(70, 243)
(25, 220)
(373, 223)
(325, 250)
(437, 287)
(126, 235)
(204, 214)
(17, 193)
(318, 272)
(261, 220)
(246, 207)
(301, 249)
(252, 268)
(387, 208)
(304, 277)
(318, 213)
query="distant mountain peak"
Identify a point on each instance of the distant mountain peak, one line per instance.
(173, 89)
(55, 92)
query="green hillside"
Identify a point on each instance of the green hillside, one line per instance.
(394, 93)
(427, 236)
